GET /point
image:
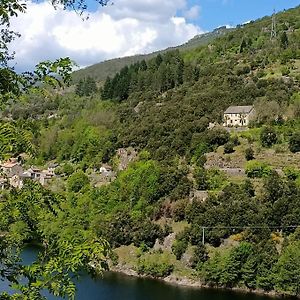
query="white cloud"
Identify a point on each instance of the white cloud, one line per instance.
(193, 13)
(128, 27)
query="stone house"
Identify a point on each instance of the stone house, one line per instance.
(11, 167)
(238, 115)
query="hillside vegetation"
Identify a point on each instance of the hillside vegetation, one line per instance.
(150, 123)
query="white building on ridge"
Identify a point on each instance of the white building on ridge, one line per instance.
(238, 115)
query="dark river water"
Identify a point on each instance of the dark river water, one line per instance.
(115, 286)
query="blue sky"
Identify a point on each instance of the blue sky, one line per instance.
(126, 28)
(232, 12)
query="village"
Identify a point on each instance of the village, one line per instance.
(14, 174)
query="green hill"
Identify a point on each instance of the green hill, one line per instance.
(110, 67)
(170, 182)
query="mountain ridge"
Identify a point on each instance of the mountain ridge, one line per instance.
(100, 71)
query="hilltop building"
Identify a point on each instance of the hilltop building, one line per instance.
(238, 115)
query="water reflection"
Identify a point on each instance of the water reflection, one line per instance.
(114, 286)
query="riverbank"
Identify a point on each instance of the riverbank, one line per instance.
(198, 284)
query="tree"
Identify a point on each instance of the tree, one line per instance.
(284, 41)
(294, 142)
(25, 216)
(249, 154)
(22, 212)
(228, 148)
(268, 136)
(288, 266)
(77, 181)
(86, 87)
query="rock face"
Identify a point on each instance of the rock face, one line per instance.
(198, 195)
(125, 156)
(167, 243)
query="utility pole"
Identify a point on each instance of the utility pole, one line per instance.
(203, 235)
(273, 29)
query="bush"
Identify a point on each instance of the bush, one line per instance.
(216, 179)
(268, 136)
(217, 137)
(249, 154)
(179, 247)
(294, 142)
(155, 265)
(201, 178)
(228, 148)
(291, 173)
(235, 140)
(257, 169)
(178, 211)
(285, 71)
(77, 181)
(200, 256)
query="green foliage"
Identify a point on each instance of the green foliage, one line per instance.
(140, 182)
(249, 154)
(284, 41)
(162, 108)
(77, 181)
(228, 148)
(292, 173)
(180, 245)
(217, 137)
(216, 179)
(257, 169)
(14, 140)
(294, 142)
(156, 266)
(34, 213)
(211, 179)
(288, 268)
(163, 72)
(268, 136)
(86, 87)
(200, 256)
(201, 178)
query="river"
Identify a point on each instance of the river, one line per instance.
(114, 286)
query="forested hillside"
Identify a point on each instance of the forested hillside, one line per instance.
(170, 174)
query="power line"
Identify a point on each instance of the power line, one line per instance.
(243, 227)
(249, 227)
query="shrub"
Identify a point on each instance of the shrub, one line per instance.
(200, 256)
(216, 179)
(243, 69)
(179, 247)
(285, 71)
(257, 169)
(217, 137)
(77, 181)
(268, 136)
(291, 173)
(178, 211)
(249, 154)
(294, 142)
(201, 178)
(235, 140)
(228, 148)
(156, 265)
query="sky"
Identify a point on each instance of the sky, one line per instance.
(124, 28)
